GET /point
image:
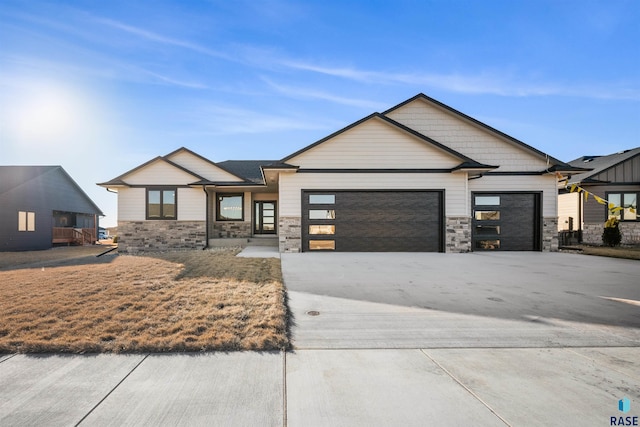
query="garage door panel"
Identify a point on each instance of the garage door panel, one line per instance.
(374, 221)
(516, 228)
(391, 244)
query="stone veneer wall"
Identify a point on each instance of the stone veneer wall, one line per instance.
(231, 229)
(592, 233)
(458, 234)
(550, 241)
(140, 236)
(290, 234)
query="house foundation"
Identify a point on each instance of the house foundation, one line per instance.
(592, 233)
(140, 236)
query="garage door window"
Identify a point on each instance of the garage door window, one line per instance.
(322, 229)
(487, 215)
(483, 230)
(487, 200)
(322, 245)
(322, 214)
(322, 199)
(488, 244)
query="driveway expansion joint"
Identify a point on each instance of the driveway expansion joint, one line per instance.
(112, 390)
(478, 398)
(10, 357)
(284, 388)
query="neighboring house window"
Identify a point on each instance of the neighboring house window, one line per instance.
(629, 203)
(162, 203)
(26, 221)
(230, 207)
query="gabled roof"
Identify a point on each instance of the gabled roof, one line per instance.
(560, 166)
(466, 162)
(14, 176)
(599, 164)
(120, 181)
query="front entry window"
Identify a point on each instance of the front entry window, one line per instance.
(229, 207)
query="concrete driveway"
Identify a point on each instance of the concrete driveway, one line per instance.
(434, 300)
(463, 339)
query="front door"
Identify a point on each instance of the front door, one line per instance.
(264, 221)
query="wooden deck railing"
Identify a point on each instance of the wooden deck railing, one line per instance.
(74, 236)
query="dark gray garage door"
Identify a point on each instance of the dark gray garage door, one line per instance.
(372, 221)
(506, 221)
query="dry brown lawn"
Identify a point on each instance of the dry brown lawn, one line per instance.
(628, 252)
(178, 301)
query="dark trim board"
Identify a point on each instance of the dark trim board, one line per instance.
(375, 171)
(374, 220)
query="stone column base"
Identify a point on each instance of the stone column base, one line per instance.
(290, 234)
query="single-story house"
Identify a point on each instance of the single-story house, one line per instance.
(41, 206)
(614, 178)
(420, 176)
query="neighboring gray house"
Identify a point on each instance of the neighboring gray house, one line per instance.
(41, 206)
(421, 176)
(615, 178)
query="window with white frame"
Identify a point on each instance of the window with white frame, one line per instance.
(26, 221)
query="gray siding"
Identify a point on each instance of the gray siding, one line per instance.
(595, 212)
(53, 190)
(627, 172)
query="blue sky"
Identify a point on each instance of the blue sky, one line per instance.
(100, 87)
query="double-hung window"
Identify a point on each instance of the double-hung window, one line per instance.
(629, 204)
(162, 203)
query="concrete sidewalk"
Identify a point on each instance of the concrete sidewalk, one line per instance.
(408, 387)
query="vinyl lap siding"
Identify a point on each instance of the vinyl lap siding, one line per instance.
(131, 204)
(191, 204)
(465, 137)
(568, 207)
(160, 173)
(455, 196)
(375, 144)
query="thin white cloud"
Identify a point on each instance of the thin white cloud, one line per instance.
(158, 38)
(492, 83)
(224, 120)
(306, 93)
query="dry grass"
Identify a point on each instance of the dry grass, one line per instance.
(182, 301)
(628, 252)
(49, 256)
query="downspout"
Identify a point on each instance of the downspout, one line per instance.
(206, 218)
(580, 210)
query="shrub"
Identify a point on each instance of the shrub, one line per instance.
(115, 239)
(611, 235)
